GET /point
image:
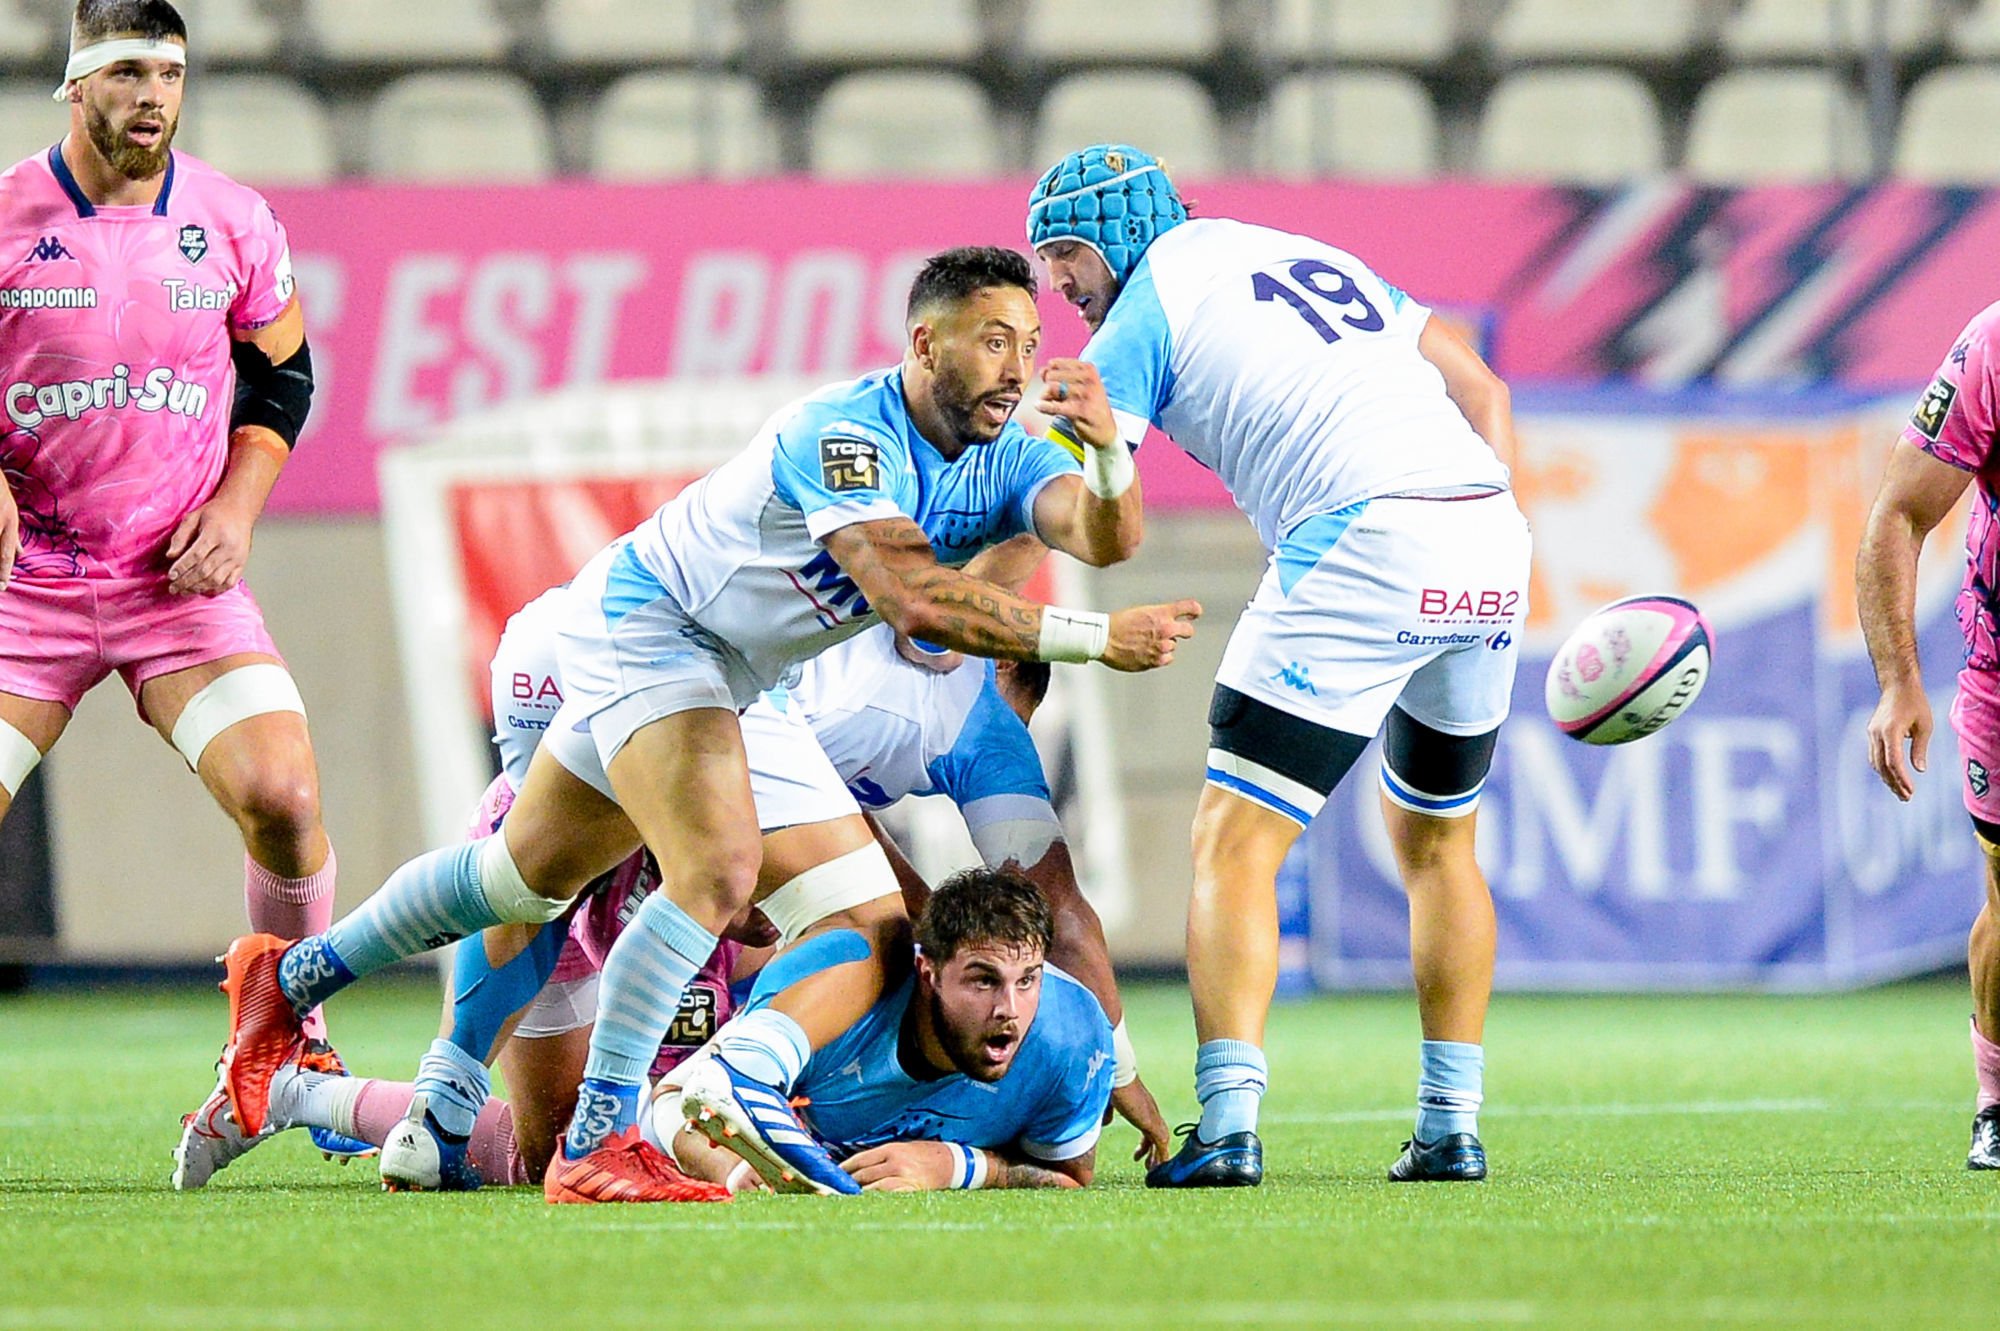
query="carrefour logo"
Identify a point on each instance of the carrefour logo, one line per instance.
(30, 405)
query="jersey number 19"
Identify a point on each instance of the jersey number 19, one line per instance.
(1331, 286)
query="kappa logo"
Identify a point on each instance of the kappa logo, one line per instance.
(1296, 676)
(48, 249)
(849, 464)
(1933, 407)
(1977, 777)
(194, 243)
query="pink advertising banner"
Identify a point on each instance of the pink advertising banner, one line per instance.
(425, 303)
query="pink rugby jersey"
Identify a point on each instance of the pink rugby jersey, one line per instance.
(1954, 422)
(115, 378)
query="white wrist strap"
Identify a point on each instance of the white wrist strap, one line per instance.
(87, 60)
(1074, 636)
(1108, 471)
(970, 1171)
(1124, 1058)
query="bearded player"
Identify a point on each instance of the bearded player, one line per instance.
(1948, 443)
(156, 376)
(1364, 441)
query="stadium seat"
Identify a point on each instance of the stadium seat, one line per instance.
(1766, 28)
(933, 126)
(1371, 123)
(1614, 29)
(1756, 125)
(262, 130)
(663, 126)
(1167, 115)
(1976, 32)
(387, 32)
(1071, 30)
(237, 32)
(458, 127)
(1945, 135)
(1406, 32)
(634, 32)
(26, 33)
(1588, 126)
(29, 120)
(840, 30)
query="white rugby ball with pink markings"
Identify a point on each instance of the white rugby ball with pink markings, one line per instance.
(1629, 669)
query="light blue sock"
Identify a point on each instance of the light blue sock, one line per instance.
(767, 1046)
(644, 976)
(457, 1085)
(433, 900)
(1229, 1080)
(1450, 1089)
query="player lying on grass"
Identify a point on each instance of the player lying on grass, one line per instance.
(983, 1069)
(987, 1068)
(953, 727)
(835, 516)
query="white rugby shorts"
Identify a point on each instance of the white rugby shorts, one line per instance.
(1394, 599)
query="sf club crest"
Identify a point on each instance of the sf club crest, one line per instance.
(194, 243)
(849, 464)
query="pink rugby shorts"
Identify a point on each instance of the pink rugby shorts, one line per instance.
(59, 640)
(1975, 715)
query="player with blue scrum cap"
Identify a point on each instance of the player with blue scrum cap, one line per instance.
(1365, 442)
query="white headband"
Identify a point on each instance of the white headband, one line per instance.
(87, 60)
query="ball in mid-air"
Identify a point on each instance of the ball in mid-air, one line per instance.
(1628, 669)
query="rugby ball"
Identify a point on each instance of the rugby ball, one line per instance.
(1629, 668)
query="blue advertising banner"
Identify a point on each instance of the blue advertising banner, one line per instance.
(1748, 843)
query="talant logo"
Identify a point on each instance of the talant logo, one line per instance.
(48, 249)
(187, 296)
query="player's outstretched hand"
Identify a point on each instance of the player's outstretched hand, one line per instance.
(1144, 637)
(1136, 1105)
(209, 550)
(903, 1167)
(10, 533)
(1903, 715)
(1072, 390)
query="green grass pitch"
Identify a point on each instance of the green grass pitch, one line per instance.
(1729, 1161)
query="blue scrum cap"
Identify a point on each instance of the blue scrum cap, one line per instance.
(1110, 197)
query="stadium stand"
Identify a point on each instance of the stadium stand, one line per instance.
(459, 127)
(23, 35)
(1800, 29)
(385, 32)
(1375, 124)
(1120, 29)
(257, 124)
(1775, 125)
(905, 124)
(1413, 32)
(623, 33)
(846, 30)
(29, 122)
(670, 125)
(1624, 29)
(1932, 143)
(1170, 112)
(1585, 126)
(234, 32)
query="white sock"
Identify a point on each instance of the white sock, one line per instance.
(301, 1099)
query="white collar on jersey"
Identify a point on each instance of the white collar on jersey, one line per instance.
(87, 60)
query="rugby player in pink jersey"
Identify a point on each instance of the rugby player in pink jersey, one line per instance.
(154, 376)
(1949, 442)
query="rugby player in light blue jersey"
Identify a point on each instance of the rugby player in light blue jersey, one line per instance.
(985, 1069)
(853, 505)
(1365, 442)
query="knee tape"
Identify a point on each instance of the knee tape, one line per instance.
(827, 889)
(507, 893)
(18, 757)
(247, 691)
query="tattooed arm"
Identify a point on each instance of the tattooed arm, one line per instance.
(1019, 1172)
(892, 562)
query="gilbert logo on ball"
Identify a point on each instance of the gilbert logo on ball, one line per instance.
(1629, 668)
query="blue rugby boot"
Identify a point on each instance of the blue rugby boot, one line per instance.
(1985, 1153)
(1454, 1158)
(1234, 1161)
(321, 1056)
(419, 1156)
(758, 1124)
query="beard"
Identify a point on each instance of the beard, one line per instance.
(965, 1051)
(128, 159)
(959, 402)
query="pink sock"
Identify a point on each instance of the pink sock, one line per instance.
(384, 1104)
(1986, 1058)
(291, 908)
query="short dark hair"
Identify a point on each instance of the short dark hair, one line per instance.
(984, 905)
(957, 273)
(1032, 679)
(155, 20)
